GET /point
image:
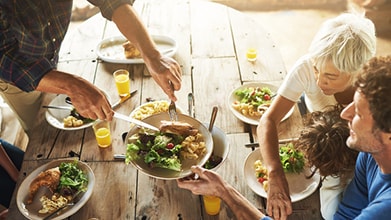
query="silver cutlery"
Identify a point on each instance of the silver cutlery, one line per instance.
(134, 121)
(62, 107)
(282, 141)
(172, 108)
(190, 100)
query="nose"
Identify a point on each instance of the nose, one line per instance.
(348, 112)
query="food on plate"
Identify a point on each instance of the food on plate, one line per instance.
(212, 162)
(253, 101)
(165, 150)
(130, 50)
(64, 182)
(75, 120)
(177, 127)
(292, 161)
(49, 178)
(150, 108)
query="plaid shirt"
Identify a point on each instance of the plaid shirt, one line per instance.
(31, 36)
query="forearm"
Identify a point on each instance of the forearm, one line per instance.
(8, 165)
(60, 83)
(239, 205)
(131, 26)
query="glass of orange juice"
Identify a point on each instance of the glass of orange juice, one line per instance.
(251, 54)
(122, 82)
(102, 133)
(211, 204)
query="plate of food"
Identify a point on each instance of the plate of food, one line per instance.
(169, 153)
(150, 108)
(119, 50)
(301, 185)
(250, 101)
(66, 119)
(53, 186)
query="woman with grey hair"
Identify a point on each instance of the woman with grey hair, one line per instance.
(320, 78)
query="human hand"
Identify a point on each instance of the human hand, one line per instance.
(164, 71)
(208, 183)
(278, 199)
(90, 102)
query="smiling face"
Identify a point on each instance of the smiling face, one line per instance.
(330, 80)
(363, 134)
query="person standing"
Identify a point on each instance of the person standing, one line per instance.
(31, 33)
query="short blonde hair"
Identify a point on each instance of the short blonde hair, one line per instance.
(348, 40)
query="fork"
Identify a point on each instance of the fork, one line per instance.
(172, 108)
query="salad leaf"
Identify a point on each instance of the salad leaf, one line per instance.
(157, 150)
(254, 96)
(292, 160)
(72, 177)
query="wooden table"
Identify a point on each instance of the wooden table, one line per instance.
(212, 40)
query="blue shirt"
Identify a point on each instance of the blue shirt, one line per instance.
(31, 32)
(368, 196)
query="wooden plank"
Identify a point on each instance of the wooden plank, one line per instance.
(114, 194)
(82, 43)
(213, 80)
(247, 33)
(210, 30)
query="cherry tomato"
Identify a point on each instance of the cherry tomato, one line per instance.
(261, 179)
(170, 146)
(266, 97)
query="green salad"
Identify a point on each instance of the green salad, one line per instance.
(156, 149)
(254, 96)
(292, 160)
(72, 179)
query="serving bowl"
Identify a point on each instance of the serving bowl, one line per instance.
(221, 145)
(167, 174)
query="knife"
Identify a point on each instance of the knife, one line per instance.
(134, 121)
(282, 141)
(62, 107)
(123, 99)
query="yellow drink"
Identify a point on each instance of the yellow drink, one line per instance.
(103, 137)
(121, 78)
(212, 204)
(251, 55)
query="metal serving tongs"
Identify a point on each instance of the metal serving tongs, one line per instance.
(172, 108)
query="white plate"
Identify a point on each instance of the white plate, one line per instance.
(31, 211)
(167, 174)
(248, 119)
(55, 117)
(299, 186)
(151, 108)
(111, 49)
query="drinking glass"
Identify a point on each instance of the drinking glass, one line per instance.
(102, 133)
(122, 82)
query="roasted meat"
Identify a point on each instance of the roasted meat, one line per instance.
(130, 50)
(177, 127)
(49, 178)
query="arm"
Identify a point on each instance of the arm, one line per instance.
(210, 183)
(278, 202)
(8, 165)
(163, 69)
(86, 98)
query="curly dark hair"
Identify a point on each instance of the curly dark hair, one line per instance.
(374, 82)
(323, 142)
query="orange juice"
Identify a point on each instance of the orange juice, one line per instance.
(251, 55)
(103, 137)
(121, 78)
(212, 204)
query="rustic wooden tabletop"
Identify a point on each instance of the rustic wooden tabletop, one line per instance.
(212, 40)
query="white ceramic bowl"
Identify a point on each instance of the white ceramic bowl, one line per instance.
(220, 144)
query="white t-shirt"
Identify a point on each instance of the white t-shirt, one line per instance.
(301, 79)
